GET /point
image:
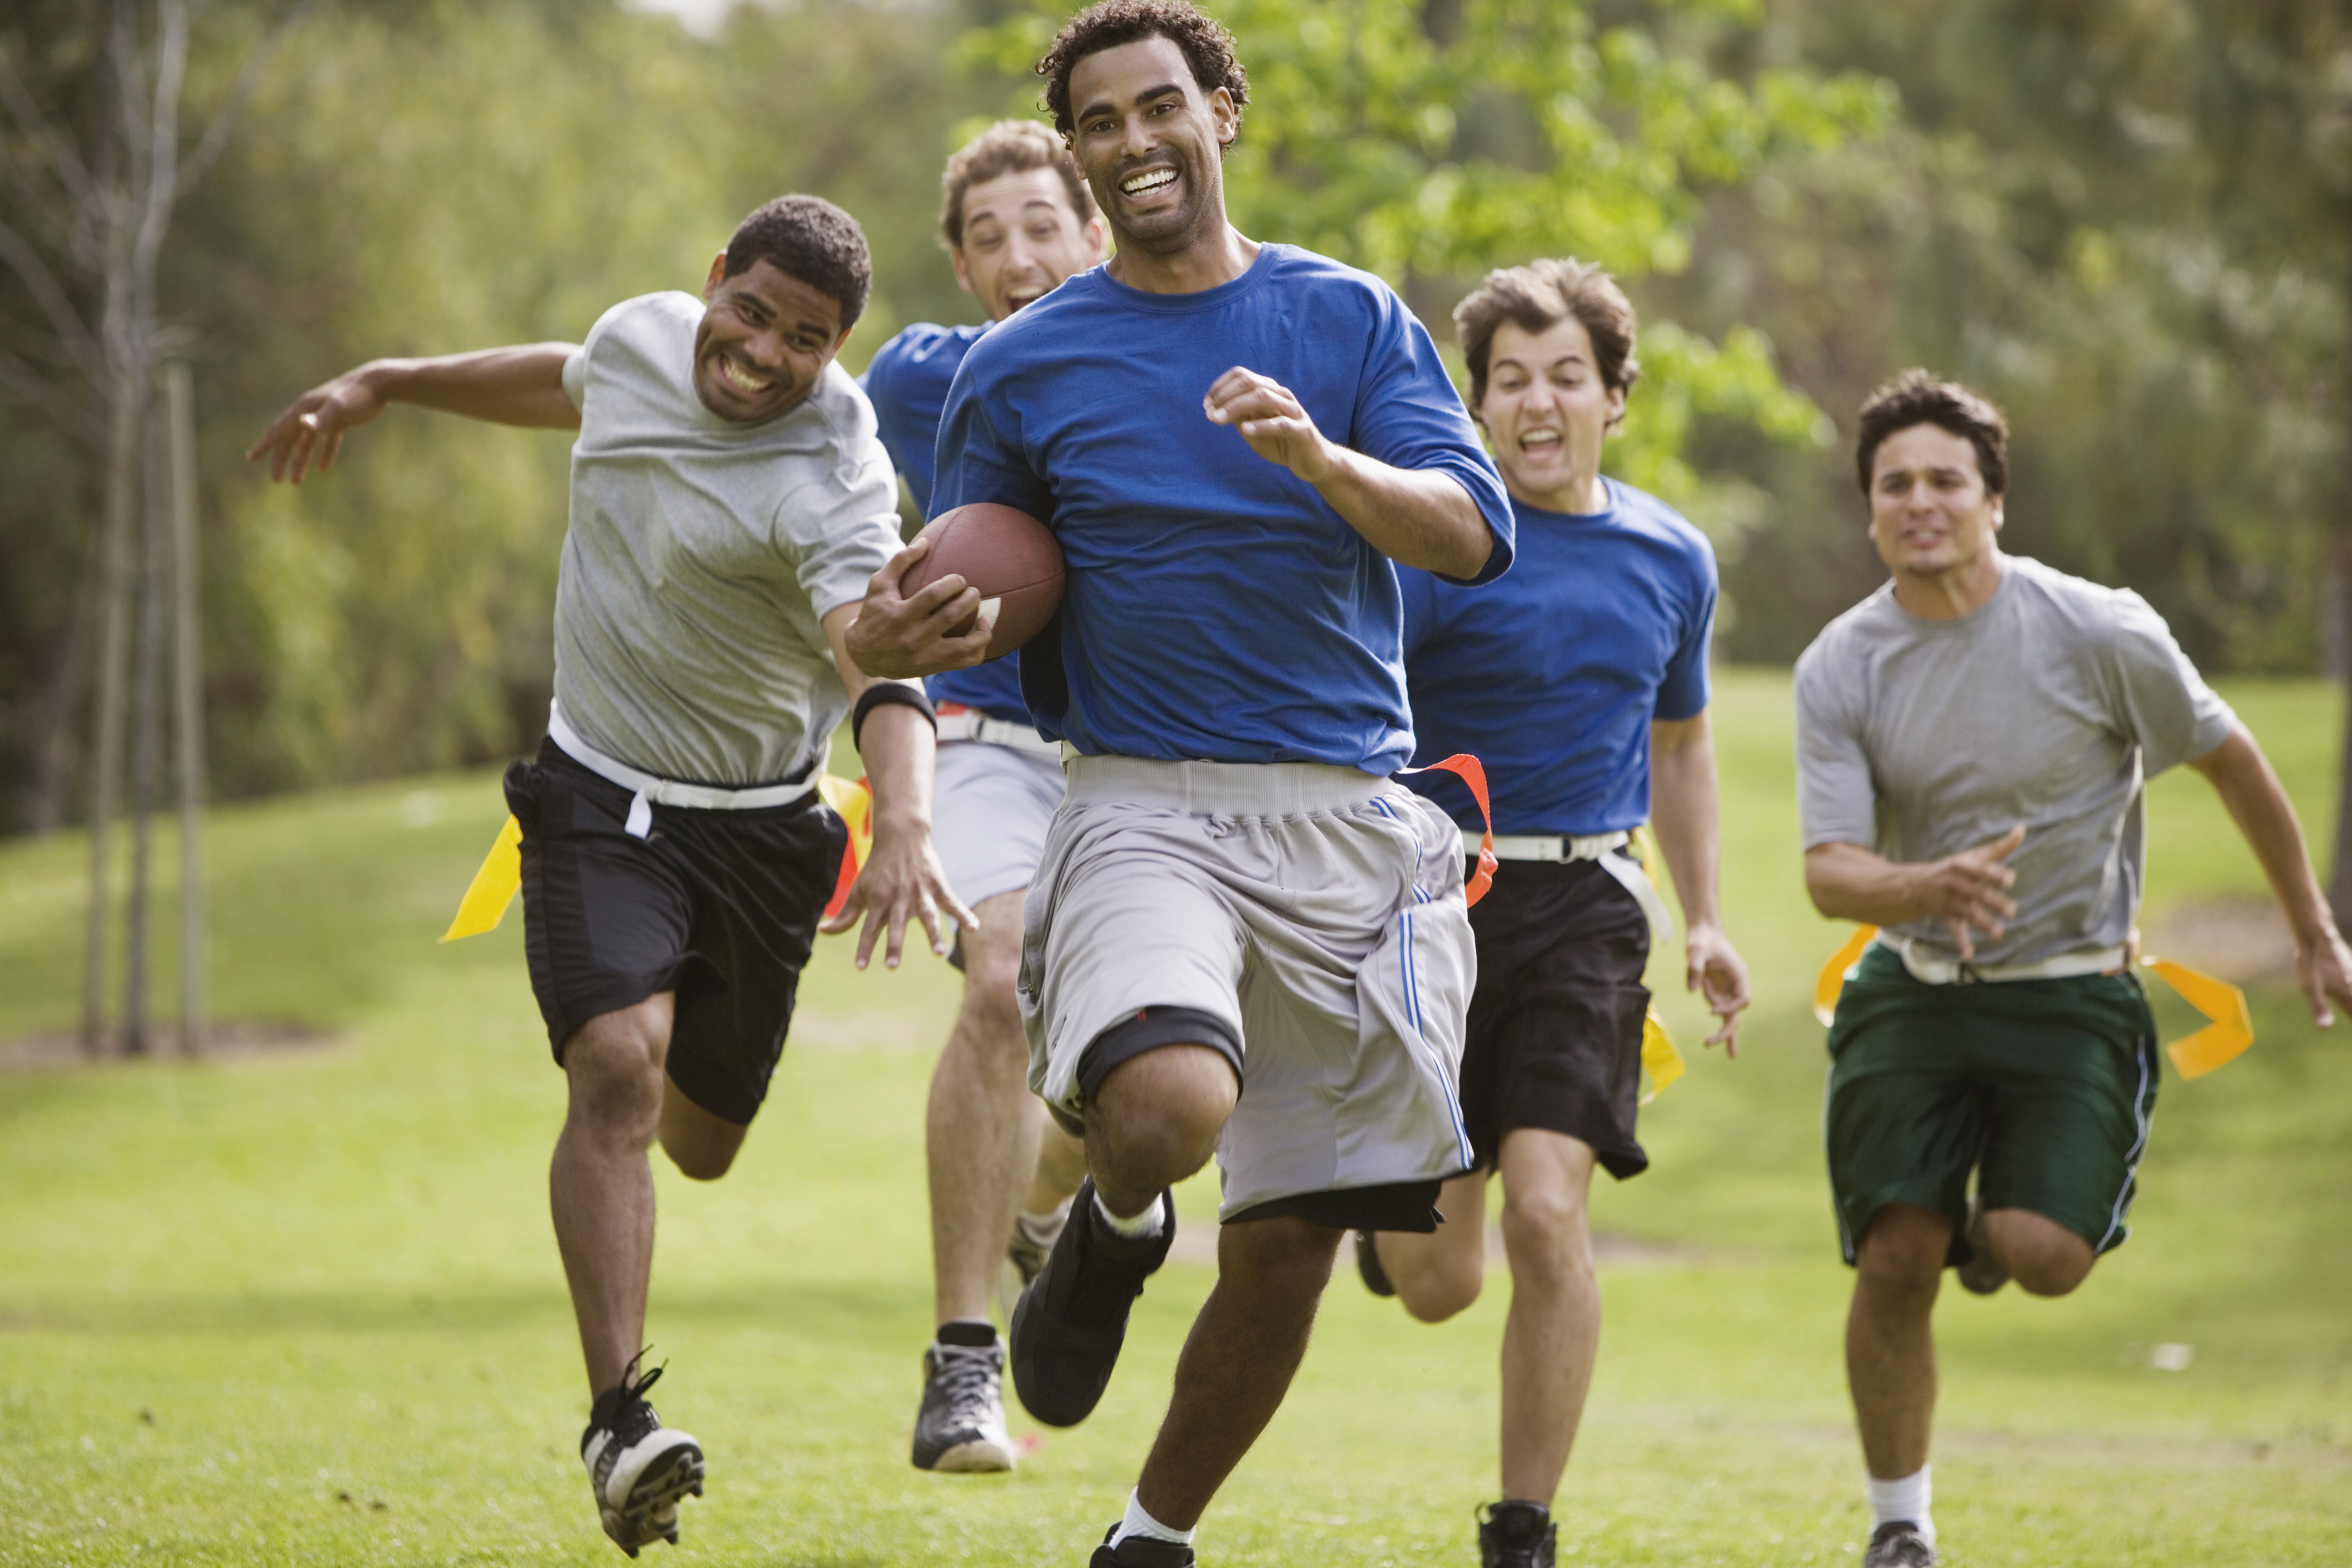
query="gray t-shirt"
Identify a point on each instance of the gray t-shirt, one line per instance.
(703, 556)
(2049, 705)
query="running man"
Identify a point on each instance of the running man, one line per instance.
(729, 502)
(1581, 679)
(1234, 442)
(1017, 219)
(1972, 743)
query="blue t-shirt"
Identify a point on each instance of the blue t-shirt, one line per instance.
(907, 385)
(1216, 607)
(1552, 677)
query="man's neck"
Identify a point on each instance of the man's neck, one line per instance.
(1581, 496)
(1950, 594)
(1218, 258)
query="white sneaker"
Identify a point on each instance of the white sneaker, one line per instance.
(637, 1468)
(961, 1428)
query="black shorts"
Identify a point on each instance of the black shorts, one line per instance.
(1555, 1032)
(719, 906)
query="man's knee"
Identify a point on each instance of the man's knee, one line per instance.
(612, 1064)
(1164, 1108)
(991, 964)
(701, 1145)
(1903, 1251)
(1446, 1287)
(1285, 1258)
(1544, 1232)
(2043, 1256)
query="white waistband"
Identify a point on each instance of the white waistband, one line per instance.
(969, 724)
(1223, 788)
(647, 788)
(1545, 846)
(1935, 970)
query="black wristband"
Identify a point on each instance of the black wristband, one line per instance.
(882, 693)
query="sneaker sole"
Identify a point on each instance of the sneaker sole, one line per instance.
(980, 1456)
(650, 1512)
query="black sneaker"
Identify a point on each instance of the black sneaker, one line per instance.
(1983, 1273)
(961, 1428)
(637, 1468)
(1897, 1543)
(1516, 1535)
(1139, 1551)
(1070, 1323)
(1368, 1264)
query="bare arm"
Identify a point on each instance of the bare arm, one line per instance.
(1414, 516)
(521, 385)
(1684, 813)
(905, 636)
(902, 879)
(2257, 802)
(1968, 892)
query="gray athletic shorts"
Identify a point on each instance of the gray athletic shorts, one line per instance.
(1305, 920)
(990, 806)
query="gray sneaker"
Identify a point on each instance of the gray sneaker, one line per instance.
(1897, 1543)
(1024, 1254)
(961, 1428)
(1983, 1273)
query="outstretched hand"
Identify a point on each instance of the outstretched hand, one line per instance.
(1968, 891)
(1274, 423)
(2323, 968)
(313, 425)
(1716, 972)
(902, 880)
(900, 636)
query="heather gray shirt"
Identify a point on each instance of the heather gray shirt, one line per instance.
(703, 556)
(2049, 706)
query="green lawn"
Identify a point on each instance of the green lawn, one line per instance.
(307, 1309)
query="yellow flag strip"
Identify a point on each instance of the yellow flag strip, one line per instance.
(494, 886)
(1660, 1060)
(2229, 1027)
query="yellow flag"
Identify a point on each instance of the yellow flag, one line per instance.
(853, 803)
(2229, 1029)
(494, 886)
(1659, 1058)
(1831, 980)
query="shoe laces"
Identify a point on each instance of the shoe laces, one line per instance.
(967, 1378)
(632, 1417)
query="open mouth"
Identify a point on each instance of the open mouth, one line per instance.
(1541, 443)
(1016, 298)
(1147, 182)
(740, 379)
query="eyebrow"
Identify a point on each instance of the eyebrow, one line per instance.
(1102, 105)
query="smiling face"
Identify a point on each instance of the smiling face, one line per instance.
(1930, 514)
(1021, 240)
(1548, 413)
(1151, 145)
(764, 342)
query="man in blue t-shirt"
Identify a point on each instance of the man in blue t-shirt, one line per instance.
(1236, 444)
(1017, 219)
(1581, 683)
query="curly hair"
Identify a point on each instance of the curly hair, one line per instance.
(810, 239)
(1539, 295)
(1208, 48)
(1917, 397)
(1007, 147)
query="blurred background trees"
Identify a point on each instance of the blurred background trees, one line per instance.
(2130, 221)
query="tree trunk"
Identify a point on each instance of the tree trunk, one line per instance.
(146, 747)
(113, 655)
(187, 664)
(2339, 881)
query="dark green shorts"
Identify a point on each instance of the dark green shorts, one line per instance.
(2046, 1085)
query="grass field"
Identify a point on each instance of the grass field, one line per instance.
(299, 1308)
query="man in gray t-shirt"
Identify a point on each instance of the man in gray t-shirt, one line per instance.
(729, 503)
(1972, 742)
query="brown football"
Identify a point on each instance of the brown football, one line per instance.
(1008, 554)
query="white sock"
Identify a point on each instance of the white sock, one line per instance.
(1141, 1227)
(1139, 1522)
(1906, 1499)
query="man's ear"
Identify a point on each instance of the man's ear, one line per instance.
(718, 276)
(1099, 237)
(1228, 118)
(963, 275)
(1998, 519)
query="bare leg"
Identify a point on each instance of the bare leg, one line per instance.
(1155, 1120)
(599, 1185)
(1553, 1335)
(983, 1130)
(1237, 1363)
(1439, 1274)
(1890, 1345)
(2043, 1256)
(1061, 1166)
